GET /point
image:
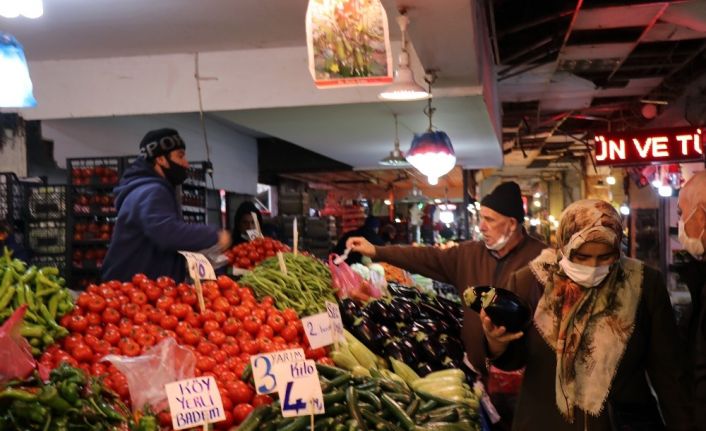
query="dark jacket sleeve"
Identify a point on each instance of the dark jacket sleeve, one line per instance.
(162, 224)
(700, 363)
(667, 366)
(440, 265)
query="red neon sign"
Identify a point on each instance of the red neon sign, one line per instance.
(651, 146)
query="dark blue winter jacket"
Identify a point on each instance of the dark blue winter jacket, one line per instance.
(150, 229)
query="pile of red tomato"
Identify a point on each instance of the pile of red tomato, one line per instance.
(249, 254)
(129, 318)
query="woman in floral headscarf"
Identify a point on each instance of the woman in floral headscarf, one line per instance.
(602, 325)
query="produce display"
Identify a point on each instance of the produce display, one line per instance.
(413, 327)
(249, 254)
(377, 403)
(68, 401)
(304, 288)
(397, 275)
(129, 318)
(43, 291)
(94, 175)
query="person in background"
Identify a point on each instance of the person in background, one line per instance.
(368, 232)
(602, 326)
(692, 236)
(150, 230)
(243, 221)
(505, 248)
(11, 238)
(388, 234)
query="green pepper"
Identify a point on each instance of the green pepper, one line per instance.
(29, 297)
(61, 424)
(106, 410)
(45, 286)
(148, 423)
(7, 279)
(66, 372)
(28, 276)
(32, 411)
(49, 270)
(31, 331)
(49, 396)
(19, 266)
(17, 394)
(69, 391)
(54, 303)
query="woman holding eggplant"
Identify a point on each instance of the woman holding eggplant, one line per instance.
(602, 326)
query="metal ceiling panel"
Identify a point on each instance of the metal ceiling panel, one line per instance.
(616, 17)
(636, 87)
(690, 14)
(663, 31)
(599, 51)
(562, 104)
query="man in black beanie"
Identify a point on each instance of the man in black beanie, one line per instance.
(505, 248)
(150, 229)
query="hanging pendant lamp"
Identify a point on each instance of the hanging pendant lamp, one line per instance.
(396, 157)
(403, 87)
(15, 84)
(431, 152)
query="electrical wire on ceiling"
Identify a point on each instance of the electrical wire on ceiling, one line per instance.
(197, 77)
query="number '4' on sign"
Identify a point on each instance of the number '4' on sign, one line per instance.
(299, 389)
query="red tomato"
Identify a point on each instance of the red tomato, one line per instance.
(189, 298)
(156, 315)
(217, 337)
(102, 348)
(221, 304)
(138, 298)
(179, 310)
(128, 347)
(164, 282)
(125, 328)
(224, 282)
(315, 353)
(96, 303)
(220, 316)
(251, 347)
(71, 341)
(130, 309)
(164, 302)
(231, 326)
(267, 300)
(153, 292)
(170, 291)
(83, 300)
(260, 313)
(289, 333)
(145, 339)
(276, 322)
(78, 323)
(290, 315)
(137, 279)
(326, 361)
(82, 353)
(93, 318)
(225, 398)
(206, 348)
(264, 344)
(205, 363)
(240, 368)
(168, 322)
(139, 318)
(210, 326)
(95, 331)
(252, 324)
(110, 315)
(194, 320)
(111, 335)
(265, 331)
(241, 411)
(191, 337)
(228, 376)
(261, 400)
(239, 392)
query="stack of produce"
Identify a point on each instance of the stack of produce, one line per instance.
(249, 254)
(41, 289)
(397, 275)
(129, 318)
(368, 403)
(68, 401)
(304, 288)
(415, 328)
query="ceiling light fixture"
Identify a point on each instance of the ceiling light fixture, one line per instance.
(665, 191)
(624, 209)
(28, 8)
(432, 153)
(15, 83)
(396, 157)
(404, 87)
(610, 180)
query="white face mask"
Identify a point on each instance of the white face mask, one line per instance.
(500, 243)
(692, 245)
(586, 276)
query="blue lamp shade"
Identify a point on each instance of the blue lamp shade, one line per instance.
(15, 84)
(432, 154)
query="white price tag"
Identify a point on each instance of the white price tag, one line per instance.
(318, 330)
(263, 368)
(334, 315)
(194, 402)
(253, 234)
(199, 267)
(299, 389)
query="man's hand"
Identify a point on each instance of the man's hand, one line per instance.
(361, 245)
(497, 336)
(224, 240)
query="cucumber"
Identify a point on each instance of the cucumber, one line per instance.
(354, 408)
(380, 424)
(391, 405)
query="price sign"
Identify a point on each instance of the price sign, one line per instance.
(253, 234)
(194, 402)
(263, 368)
(299, 389)
(318, 330)
(199, 267)
(334, 315)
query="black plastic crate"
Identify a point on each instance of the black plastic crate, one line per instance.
(11, 197)
(94, 171)
(55, 260)
(46, 202)
(47, 237)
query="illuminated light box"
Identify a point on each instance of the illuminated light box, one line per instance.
(650, 146)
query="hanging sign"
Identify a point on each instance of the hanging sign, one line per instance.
(348, 43)
(194, 402)
(657, 146)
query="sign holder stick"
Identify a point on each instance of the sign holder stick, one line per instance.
(311, 405)
(199, 294)
(282, 265)
(295, 236)
(257, 223)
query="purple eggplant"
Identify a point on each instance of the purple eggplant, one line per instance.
(423, 369)
(364, 329)
(502, 306)
(380, 311)
(401, 291)
(349, 311)
(451, 347)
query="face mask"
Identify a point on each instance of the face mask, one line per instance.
(586, 276)
(176, 174)
(500, 243)
(692, 245)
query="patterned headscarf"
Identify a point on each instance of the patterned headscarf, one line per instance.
(588, 328)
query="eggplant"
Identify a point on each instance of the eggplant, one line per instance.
(430, 311)
(405, 309)
(393, 349)
(503, 307)
(364, 329)
(382, 333)
(450, 307)
(401, 291)
(427, 346)
(433, 326)
(451, 347)
(349, 311)
(380, 311)
(424, 368)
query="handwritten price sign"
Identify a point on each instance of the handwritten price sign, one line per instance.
(263, 368)
(199, 267)
(194, 402)
(299, 389)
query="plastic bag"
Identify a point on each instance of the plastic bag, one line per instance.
(147, 374)
(348, 283)
(16, 361)
(504, 382)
